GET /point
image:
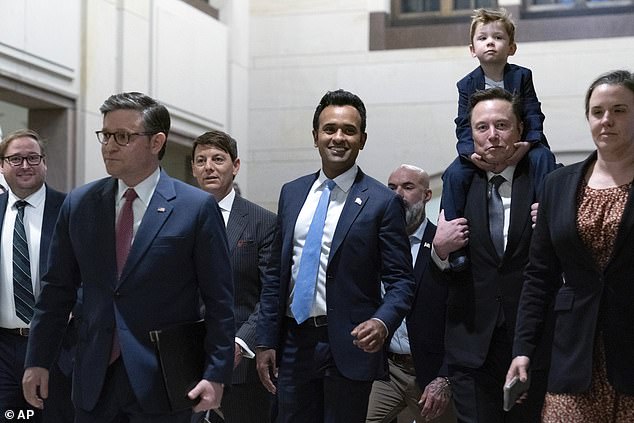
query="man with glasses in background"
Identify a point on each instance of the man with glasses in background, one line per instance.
(28, 210)
(146, 249)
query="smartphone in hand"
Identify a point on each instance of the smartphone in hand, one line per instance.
(513, 390)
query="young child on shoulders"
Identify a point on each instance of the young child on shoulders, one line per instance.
(492, 42)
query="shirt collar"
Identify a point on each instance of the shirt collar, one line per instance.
(144, 189)
(35, 200)
(343, 181)
(506, 173)
(227, 203)
(418, 233)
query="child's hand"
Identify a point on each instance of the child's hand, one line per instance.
(522, 148)
(476, 159)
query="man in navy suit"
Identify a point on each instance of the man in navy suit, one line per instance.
(150, 270)
(482, 302)
(250, 228)
(329, 357)
(24, 169)
(418, 384)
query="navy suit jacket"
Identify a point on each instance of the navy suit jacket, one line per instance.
(492, 283)
(52, 205)
(250, 230)
(179, 254)
(426, 321)
(517, 80)
(589, 302)
(369, 245)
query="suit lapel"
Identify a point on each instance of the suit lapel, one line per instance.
(422, 258)
(294, 200)
(157, 212)
(355, 202)
(238, 219)
(479, 212)
(521, 199)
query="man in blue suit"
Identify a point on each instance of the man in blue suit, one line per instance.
(149, 270)
(23, 165)
(329, 340)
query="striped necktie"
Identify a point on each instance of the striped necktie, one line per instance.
(22, 283)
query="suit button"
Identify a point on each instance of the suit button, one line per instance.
(117, 294)
(498, 299)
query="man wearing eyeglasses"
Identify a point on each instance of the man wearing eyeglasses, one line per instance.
(28, 211)
(146, 249)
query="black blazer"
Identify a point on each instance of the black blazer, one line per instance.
(250, 231)
(426, 321)
(589, 301)
(477, 295)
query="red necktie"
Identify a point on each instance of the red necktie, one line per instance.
(125, 230)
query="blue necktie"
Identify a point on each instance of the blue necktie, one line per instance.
(22, 283)
(309, 263)
(496, 214)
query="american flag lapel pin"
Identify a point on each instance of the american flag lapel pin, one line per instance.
(358, 201)
(427, 245)
(161, 210)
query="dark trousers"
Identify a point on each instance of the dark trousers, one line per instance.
(58, 407)
(478, 393)
(456, 179)
(118, 403)
(310, 388)
(13, 406)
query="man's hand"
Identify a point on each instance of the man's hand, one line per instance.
(477, 160)
(237, 355)
(435, 398)
(534, 209)
(265, 363)
(450, 236)
(522, 148)
(369, 335)
(34, 378)
(210, 394)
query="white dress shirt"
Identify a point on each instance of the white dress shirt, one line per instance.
(338, 197)
(400, 341)
(144, 191)
(33, 218)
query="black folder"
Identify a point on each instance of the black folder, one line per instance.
(181, 353)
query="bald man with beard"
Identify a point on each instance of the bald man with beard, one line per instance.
(417, 386)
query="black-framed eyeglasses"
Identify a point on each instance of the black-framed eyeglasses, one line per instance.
(17, 160)
(121, 138)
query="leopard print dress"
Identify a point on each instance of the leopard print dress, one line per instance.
(598, 219)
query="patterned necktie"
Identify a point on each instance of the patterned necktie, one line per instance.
(22, 283)
(309, 263)
(125, 225)
(496, 214)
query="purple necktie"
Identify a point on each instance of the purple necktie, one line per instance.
(125, 226)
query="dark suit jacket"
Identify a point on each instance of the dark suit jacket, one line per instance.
(426, 321)
(250, 230)
(589, 302)
(517, 80)
(52, 205)
(369, 246)
(179, 254)
(476, 296)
